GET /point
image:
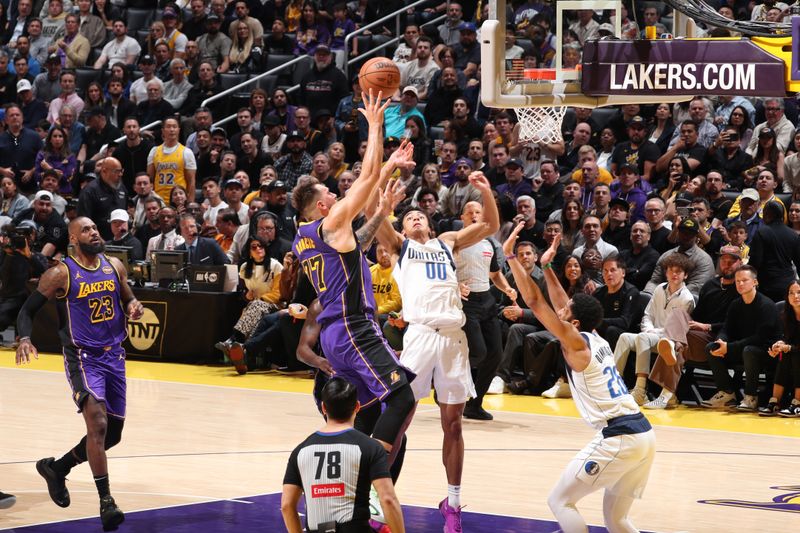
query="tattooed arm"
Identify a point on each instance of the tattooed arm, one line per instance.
(392, 195)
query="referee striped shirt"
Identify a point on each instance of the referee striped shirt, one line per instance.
(474, 263)
(335, 471)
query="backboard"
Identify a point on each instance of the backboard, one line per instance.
(504, 86)
(620, 69)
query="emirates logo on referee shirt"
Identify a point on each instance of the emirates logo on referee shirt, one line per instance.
(329, 490)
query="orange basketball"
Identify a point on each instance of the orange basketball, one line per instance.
(379, 74)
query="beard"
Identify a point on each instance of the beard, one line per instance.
(92, 249)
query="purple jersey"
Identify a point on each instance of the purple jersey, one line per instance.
(342, 280)
(95, 317)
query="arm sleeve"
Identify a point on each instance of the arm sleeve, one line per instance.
(29, 309)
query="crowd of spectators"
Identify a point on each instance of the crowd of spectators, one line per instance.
(715, 180)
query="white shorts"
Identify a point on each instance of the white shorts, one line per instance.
(442, 357)
(619, 464)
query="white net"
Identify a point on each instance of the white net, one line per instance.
(540, 124)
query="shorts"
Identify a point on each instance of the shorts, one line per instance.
(619, 464)
(99, 373)
(358, 352)
(442, 356)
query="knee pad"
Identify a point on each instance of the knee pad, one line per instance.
(113, 432)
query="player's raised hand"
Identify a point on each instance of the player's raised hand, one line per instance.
(479, 181)
(373, 109)
(25, 350)
(403, 157)
(393, 194)
(550, 253)
(508, 245)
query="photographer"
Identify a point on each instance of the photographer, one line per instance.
(17, 265)
(51, 231)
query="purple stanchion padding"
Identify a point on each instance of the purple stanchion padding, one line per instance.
(263, 515)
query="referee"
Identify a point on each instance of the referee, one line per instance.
(334, 467)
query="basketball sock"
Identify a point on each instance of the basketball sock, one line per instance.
(66, 463)
(102, 485)
(641, 382)
(454, 496)
(667, 395)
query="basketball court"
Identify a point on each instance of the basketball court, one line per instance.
(205, 450)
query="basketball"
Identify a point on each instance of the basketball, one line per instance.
(379, 74)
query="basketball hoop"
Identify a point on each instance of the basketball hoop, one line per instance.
(540, 124)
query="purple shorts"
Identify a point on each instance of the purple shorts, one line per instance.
(357, 351)
(99, 373)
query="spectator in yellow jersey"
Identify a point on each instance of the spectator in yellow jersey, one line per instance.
(171, 163)
(387, 298)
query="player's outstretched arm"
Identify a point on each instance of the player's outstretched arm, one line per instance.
(390, 504)
(573, 345)
(344, 211)
(53, 282)
(475, 233)
(289, 500)
(557, 294)
(392, 194)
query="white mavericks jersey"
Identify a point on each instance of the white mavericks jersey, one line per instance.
(426, 277)
(599, 391)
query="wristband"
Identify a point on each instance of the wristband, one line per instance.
(548, 265)
(510, 257)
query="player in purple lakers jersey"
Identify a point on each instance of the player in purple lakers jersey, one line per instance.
(93, 299)
(330, 256)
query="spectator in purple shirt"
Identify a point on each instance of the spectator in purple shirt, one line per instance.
(516, 185)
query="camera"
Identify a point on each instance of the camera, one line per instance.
(17, 237)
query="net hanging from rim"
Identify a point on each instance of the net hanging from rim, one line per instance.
(540, 124)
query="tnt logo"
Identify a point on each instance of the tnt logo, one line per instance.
(329, 490)
(146, 334)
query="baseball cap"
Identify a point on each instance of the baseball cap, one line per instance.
(232, 182)
(53, 58)
(271, 121)
(629, 166)
(169, 13)
(147, 59)
(219, 131)
(119, 215)
(637, 121)
(277, 184)
(515, 162)
(729, 249)
(294, 134)
(464, 161)
(766, 132)
(24, 85)
(411, 89)
(620, 203)
(606, 27)
(213, 17)
(467, 26)
(43, 195)
(322, 113)
(322, 47)
(750, 194)
(689, 224)
(391, 140)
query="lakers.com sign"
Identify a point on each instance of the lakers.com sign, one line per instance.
(681, 67)
(146, 335)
